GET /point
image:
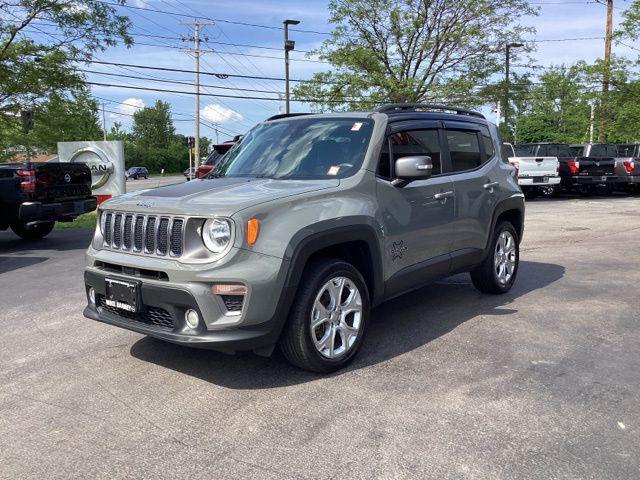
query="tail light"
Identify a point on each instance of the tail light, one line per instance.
(629, 165)
(574, 166)
(27, 180)
(516, 165)
(558, 167)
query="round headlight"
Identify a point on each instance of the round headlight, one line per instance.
(216, 234)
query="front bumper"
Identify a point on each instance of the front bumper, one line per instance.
(49, 212)
(162, 317)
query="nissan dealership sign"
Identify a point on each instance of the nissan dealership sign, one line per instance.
(106, 161)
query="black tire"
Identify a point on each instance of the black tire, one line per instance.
(33, 232)
(485, 277)
(296, 341)
(549, 191)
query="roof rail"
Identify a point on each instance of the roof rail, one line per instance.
(398, 107)
(285, 115)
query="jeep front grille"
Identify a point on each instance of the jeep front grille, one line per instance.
(159, 235)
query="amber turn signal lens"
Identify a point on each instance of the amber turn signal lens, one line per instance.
(228, 289)
(253, 228)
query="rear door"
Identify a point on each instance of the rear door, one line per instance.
(417, 218)
(472, 160)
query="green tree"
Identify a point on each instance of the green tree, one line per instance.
(153, 126)
(412, 50)
(40, 40)
(65, 118)
(557, 108)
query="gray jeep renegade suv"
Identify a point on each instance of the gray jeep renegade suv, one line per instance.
(306, 224)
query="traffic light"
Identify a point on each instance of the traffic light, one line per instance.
(26, 117)
(189, 142)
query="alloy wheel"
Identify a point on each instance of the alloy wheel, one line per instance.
(505, 257)
(336, 317)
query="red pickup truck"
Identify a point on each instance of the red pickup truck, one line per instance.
(214, 157)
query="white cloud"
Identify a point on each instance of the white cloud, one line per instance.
(219, 114)
(128, 107)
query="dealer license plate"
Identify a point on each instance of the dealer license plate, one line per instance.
(122, 294)
(604, 179)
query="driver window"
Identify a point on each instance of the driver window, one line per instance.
(408, 144)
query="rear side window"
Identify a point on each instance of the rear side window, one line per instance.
(409, 144)
(464, 149)
(625, 150)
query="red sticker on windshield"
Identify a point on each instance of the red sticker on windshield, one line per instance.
(356, 126)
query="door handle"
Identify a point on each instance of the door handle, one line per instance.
(490, 186)
(442, 196)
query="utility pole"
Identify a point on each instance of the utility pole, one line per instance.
(289, 45)
(196, 52)
(602, 131)
(593, 114)
(104, 123)
(507, 84)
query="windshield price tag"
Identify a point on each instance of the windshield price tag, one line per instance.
(333, 170)
(356, 126)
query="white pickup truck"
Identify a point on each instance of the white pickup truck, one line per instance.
(536, 175)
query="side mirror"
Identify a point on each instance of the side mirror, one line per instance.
(408, 169)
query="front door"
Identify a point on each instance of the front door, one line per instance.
(417, 218)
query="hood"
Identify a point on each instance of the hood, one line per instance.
(220, 196)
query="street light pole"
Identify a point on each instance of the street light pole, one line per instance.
(507, 82)
(289, 45)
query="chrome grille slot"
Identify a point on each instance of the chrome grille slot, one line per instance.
(108, 222)
(127, 234)
(138, 230)
(163, 236)
(175, 242)
(117, 231)
(150, 236)
(144, 234)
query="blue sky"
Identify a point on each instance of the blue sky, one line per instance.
(556, 20)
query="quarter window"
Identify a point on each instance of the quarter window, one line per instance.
(464, 150)
(489, 149)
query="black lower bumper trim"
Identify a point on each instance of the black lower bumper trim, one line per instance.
(176, 302)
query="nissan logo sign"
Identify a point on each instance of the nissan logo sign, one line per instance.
(67, 178)
(99, 164)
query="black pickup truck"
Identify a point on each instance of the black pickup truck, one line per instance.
(629, 162)
(579, 171)
(33, 196)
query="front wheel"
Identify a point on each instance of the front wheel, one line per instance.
(32, 232)
(498, 272)
(328, 318)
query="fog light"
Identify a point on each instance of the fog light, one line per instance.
(192, 319)
(92, 295)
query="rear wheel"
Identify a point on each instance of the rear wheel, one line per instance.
(548, 191)
(328, 319)
(498, 272)
(32, 232)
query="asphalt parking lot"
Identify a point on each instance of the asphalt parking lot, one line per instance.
(153, 182)
(541, 383)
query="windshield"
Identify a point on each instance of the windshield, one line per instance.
(304, 148)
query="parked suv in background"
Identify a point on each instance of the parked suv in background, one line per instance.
(214, 157)
(137, 172)
(304, 226)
